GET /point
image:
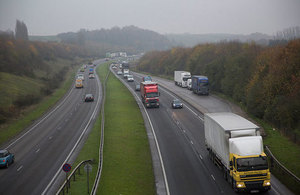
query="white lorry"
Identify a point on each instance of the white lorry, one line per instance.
(235, 145)
(181, 77)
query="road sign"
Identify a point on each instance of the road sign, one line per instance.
(88, 167)
(67, 167)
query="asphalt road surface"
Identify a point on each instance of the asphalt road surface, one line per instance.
(54, 139)
(180, 134)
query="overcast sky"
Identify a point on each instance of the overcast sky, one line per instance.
(50, 17)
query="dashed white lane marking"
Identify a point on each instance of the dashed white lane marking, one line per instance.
(37, 150)
(213, 177)
(20, 168)
(200, 156)
(192, 142)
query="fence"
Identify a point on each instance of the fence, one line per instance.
(287, 177)
(67, 184)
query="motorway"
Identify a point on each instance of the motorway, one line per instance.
(54, 139)
(180, 135)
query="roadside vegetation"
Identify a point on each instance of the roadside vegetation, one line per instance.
(265, 81)
(29, 104)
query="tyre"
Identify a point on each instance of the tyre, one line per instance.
(6, 165)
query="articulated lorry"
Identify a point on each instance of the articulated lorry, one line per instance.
(181, 77)
(200, 85)
(150, 94)
(235, 145)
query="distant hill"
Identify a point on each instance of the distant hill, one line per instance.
(190, 40)
(52, 38)
(130, 39)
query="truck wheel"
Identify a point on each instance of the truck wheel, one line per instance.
(234, 186)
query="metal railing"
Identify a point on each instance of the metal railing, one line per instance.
(67, 183)
(280, 170)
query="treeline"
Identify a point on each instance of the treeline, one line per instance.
(264, 79)
(130, 39)
(22, 57)
(33, 61)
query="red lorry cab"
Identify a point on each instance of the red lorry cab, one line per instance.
(150, 94)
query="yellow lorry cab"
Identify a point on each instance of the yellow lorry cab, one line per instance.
(78, 83)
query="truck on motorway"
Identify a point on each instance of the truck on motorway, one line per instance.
(124, 65)
(235, 145)
(149, 94)
(91, 70)
(78, 83)
(200, 85)
(181, 77)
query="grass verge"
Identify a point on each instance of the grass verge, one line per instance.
(34, 112)
(127, 167)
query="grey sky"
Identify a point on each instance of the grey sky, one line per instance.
(49, 17)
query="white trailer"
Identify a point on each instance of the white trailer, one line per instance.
(181, 77)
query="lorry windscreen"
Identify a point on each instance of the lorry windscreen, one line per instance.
(152, 94)
(203, 84)
(185, 78)
(250, 164)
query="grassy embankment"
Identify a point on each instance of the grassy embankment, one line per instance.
(127, 166)
(13, 86)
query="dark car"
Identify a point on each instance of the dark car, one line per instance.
(89, 98)
(6, 158)
(137, 87)
(177, 104)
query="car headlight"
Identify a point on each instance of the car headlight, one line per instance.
(174, 105)
(239, 185)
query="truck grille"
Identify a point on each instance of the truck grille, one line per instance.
(254, 184)
(254, 176)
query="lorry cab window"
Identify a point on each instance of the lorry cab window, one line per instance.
(151, 95)
(255, 163)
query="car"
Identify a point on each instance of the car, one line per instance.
(82, 69)
(119, 72)
(89, 98)
(6, 158)
(138, 87)
(130, 78)
(91, 76)
(177, 104)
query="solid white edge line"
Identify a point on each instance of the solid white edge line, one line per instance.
(76, 144)
(40, 120)
(155, 138)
